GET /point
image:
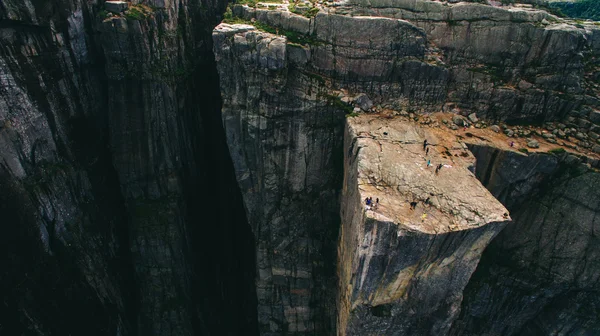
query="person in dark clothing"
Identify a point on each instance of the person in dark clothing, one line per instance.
(425, 144)
(427, 201)
(438, 168)
(427, 151)
(413, 205)
(367, 201)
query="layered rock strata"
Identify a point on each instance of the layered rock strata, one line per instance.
(401, 270)
(501, 62)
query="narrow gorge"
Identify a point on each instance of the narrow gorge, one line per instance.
(193, 167)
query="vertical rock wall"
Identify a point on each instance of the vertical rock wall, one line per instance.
(402, 271)
(127, 217)
(540, 275)
(285, 139)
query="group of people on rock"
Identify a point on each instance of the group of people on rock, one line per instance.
(370, 204)
(426, 149)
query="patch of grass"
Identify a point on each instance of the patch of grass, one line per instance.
(292, 36)
(352, 115)
(249, 3)
(103, 14)
(311, 12)
(138, 12)
(337, 102)
(559, 150)
(523, 150)
(134, 14)
(306, 12)
(228, 15)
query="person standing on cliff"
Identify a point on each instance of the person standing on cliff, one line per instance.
(425, 144)
(427, 151)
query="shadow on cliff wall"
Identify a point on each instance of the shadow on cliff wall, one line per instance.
(41, 293)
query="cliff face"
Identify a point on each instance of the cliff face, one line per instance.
(287, 79)
(132, 204)
(402, 271)
(111, 145)
(540, 275)
(286, 143)
(516, 64)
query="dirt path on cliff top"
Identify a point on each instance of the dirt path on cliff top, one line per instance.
(486, 136)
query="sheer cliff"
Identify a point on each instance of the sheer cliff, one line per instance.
(288, 74)
(122, 214)
(160, 176)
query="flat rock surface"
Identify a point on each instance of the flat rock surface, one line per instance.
(393, 167)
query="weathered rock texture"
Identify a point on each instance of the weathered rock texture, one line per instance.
(402, 271)
(285, 139)
(516, 64)
(540, 275)
(113, 168)
(285, 85)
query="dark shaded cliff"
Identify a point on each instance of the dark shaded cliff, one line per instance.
(121, 211)
(540, 275)
(135, 202)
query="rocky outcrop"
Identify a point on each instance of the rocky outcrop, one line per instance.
(109, 130)
(285, 138)
(401, 270)
(281, 72)
(503, 63)
(541, 271)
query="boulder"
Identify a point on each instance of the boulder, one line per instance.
(473, 117)
(495, 128)
(363, 101)
(533, 144)
(458, 120)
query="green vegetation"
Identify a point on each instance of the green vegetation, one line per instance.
(337, 102)
(138, 12)
(292, 36)
(308, 12)
(254, 3)
(134, 13)
(103, 14)
(559, 150)
(523, 150)
(583, 9)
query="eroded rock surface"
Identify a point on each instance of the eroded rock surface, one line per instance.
(500, 62)
(540, 275)
(110, 145)
(401, 270)
(285, 138)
